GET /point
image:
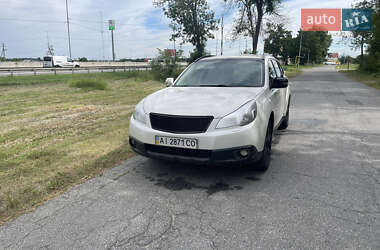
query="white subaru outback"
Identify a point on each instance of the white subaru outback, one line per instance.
(220, 110)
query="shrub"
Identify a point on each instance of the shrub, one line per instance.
(165, 66)
(89, 84)
(370, 63)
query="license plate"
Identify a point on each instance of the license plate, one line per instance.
(176, 142)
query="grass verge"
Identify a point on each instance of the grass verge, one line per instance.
(53, 137)
(346, 67)
(292, 71)
(372, 80)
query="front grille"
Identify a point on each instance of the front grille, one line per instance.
(199, 153)
(180, 124)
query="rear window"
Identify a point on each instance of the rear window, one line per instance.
(47, 59)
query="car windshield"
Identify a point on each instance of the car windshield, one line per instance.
(242, 72)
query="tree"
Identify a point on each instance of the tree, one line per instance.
(375, 39)
(191, 20)
(315, 45)
(279, 41)
(362, 38)
(251, 14)
(371, 62)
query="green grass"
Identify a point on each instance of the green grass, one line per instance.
(53, 136)
(89, 84)
(48, 79)
(372, 80)
(346, 67)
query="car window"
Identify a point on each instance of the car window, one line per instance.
(69, 60)
(277, 68)
(246, 72)
(281, 69)
(272, 71)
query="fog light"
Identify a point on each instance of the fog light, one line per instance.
(133, 143)
(244, 152)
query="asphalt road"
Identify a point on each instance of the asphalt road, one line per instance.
(321, 192)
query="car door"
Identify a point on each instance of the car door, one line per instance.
(275, 93)
(282, 94)
(69, 62)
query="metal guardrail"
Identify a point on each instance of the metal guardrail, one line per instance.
(35, 71)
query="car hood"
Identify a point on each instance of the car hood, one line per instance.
(199, 101)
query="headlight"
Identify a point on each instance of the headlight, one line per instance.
(139, 113)
(241, 117)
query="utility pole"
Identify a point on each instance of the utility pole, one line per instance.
(308, 56)
(113, 47)
(102, 33)
(50, 49)
(3, 50)
(175, 51)
(216, 43)
(68, 27)
(299, 52)
(222, 38)
(111, 24)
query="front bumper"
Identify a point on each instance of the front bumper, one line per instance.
(196, 156)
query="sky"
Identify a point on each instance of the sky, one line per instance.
(26, 27)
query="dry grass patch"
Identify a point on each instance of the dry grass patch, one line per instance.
(53, 136)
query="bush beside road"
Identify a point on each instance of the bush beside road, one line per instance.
(347, 67)
(54, 136)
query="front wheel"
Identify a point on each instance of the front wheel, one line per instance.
(263, 163)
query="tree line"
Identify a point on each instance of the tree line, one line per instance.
(307, 47)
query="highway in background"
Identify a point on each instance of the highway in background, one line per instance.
(24, 71)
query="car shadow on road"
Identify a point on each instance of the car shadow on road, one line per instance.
(211, 179)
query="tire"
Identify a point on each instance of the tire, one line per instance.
(77, 66)
(263, 164)
(285, 123)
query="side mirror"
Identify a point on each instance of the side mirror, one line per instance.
(280, 83)
(169, 81)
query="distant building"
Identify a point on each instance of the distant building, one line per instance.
(332, 55)
(332, 58)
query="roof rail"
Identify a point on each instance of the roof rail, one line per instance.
(202, 57)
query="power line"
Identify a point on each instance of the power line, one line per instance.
(84, 26)
(29, 20)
